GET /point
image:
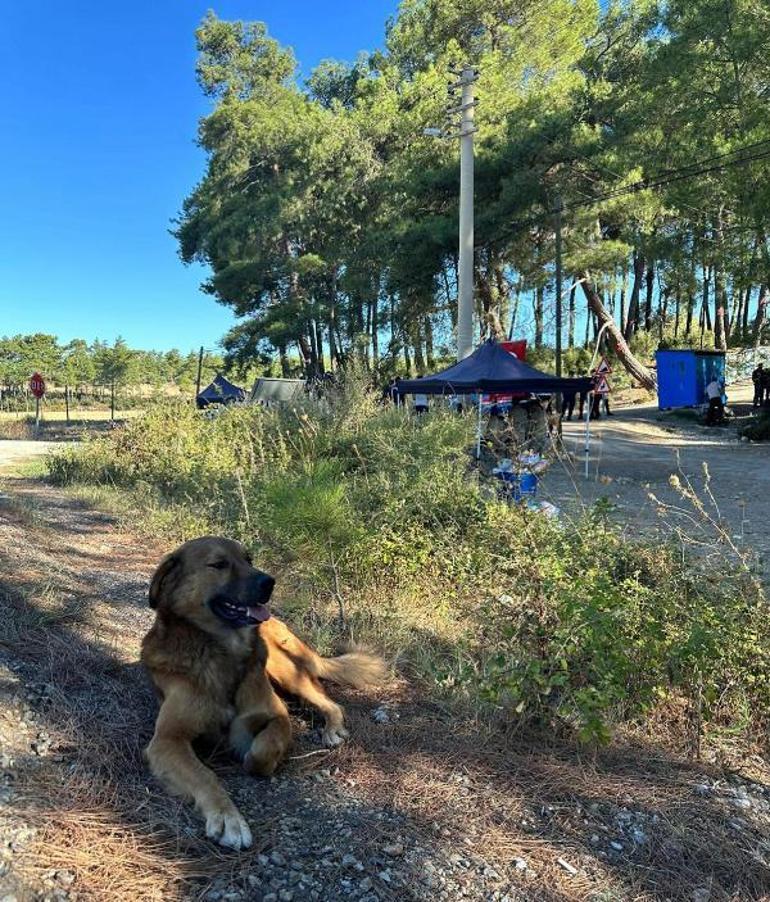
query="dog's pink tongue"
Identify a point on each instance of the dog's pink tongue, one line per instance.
(259, 613)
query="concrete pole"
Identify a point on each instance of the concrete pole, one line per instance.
(465, 274)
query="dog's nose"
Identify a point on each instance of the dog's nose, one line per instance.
(262, 586)
(266, 583)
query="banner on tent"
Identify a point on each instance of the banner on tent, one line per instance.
(518, 349)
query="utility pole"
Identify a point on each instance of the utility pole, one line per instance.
(465, 256)
(558, 284)
(198, 379)
(464, 130)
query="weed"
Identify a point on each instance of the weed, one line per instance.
(379, 529)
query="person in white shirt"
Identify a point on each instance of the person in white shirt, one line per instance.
(716, 409)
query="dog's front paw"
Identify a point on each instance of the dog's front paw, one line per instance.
(334, 736)
(229, 829)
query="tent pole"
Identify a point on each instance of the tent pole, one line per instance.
(478, 432)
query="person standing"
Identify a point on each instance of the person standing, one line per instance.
(582, 398)
(596, 398)
(568, 401)
(758, 378)
(420, 403)
(716, 410)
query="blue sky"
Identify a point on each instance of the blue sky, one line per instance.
(100, 108)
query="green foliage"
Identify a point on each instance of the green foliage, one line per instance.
(81, 366)
(329, 220)
(370, 512)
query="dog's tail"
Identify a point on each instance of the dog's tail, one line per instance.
(354, 668)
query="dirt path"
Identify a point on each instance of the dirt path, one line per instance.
(13, 451)
(635, 452)
(421, 806)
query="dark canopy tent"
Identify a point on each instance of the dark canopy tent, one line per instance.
(490, 368)
(220, 391)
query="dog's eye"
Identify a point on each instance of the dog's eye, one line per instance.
(218, 565)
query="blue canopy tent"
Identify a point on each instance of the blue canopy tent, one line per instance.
(220, 391)
(490, 368)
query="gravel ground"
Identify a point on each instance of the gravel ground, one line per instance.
(418, 806)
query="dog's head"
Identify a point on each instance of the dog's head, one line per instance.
(212, 583)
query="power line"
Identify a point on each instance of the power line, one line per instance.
(660, 180)
(669, 177)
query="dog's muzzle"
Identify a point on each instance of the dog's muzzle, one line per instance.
(244, 602)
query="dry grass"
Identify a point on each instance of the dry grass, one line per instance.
(57, 416)
(74, 615)
(20, 426)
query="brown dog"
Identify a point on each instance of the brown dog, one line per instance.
(210, 653)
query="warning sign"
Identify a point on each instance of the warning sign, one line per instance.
(602, 386)
(604, 369)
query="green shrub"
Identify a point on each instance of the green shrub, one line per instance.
(375, 517)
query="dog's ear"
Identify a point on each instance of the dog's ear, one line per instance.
(162, 579)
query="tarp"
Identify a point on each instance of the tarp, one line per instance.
(220, 391)
(490, 368)
(282, 391)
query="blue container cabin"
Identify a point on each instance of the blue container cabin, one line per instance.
(684, 374)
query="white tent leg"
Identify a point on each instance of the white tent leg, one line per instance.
(478, 432)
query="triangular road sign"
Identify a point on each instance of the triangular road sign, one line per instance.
(604, 369)
(602, 386)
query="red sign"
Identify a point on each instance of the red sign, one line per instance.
(37, 385)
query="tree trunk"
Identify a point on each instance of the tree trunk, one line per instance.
(650, 282)
(333, 354)
(312, 345)
(635, 369)
(514, 311)
(736, 314)
(429, 343)
(678, 305)
(706, 311)
(745, 318)
(319, 341)
(622, 316)
(760, 317)
(375, 328)
(503, 300)
(284, 361)
(663, 310)
(419, 359)
(633, 305)
(538, 310)
(720, 301)
(407, 360)
(571, 318)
